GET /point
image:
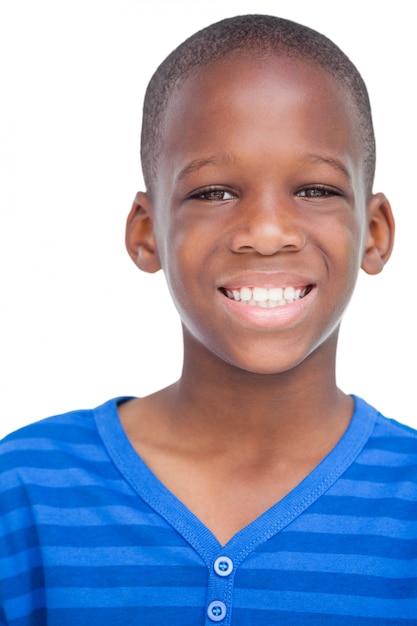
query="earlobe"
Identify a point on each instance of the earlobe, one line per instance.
(140, 240)
(380, 240)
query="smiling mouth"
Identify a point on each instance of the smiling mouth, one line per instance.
(267, 298)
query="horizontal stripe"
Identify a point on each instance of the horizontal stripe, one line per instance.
(104, 577)
(24, 605)
(37, 480)
(115, 556)
(49, 447)
(397, 438)
(324, 603)
(405, 490)
(62, 498)
(93, 516)
(39, 464)
(337, 563)
(84, 597)
(23, 584)
(391, 458)
(70, 428)
(351, 525)
(85, 537)
(382, 473)
(262, 617)
(393, 508)
(333, 583)
(367, 545)
(126, 616)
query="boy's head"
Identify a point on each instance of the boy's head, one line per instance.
(258, 155)
(254, 36)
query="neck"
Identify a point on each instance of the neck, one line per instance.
(220, 402)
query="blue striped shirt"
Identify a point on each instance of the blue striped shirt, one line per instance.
(89, 534)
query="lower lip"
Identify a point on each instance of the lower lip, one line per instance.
(268, 318)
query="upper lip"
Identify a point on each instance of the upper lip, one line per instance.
(268, 280)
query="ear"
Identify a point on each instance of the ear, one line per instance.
(140, 240)
(380, 239)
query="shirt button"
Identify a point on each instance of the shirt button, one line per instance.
(223, 566)
(216, 611)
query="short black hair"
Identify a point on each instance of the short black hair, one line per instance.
(248, 34)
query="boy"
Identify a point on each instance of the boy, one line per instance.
(252, 490)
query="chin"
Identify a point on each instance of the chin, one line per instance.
(267, 366)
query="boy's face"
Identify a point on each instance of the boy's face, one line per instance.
(260, 195)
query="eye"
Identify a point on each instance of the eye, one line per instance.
(317, 191)
(214, 194)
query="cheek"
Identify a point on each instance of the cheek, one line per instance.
(182, 260)
(187, 241)
(344, 261)
(342, 235)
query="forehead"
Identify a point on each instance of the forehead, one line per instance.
(262, 103)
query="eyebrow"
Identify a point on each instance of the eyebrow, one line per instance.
(335, 163)
(198, 164)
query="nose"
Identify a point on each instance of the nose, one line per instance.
(267, 228)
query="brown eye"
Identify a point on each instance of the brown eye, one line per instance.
(215, 195)
(317, 192)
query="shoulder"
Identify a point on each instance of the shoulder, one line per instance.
(54, 442)
(395, 445)
(390, 453)
(387, 431)
(52, 432)
(391, 434)
(60, 462)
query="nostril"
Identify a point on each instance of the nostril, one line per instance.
(267, 235)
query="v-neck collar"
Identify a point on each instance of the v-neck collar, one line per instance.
(271, 522)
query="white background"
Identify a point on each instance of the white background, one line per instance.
(78, 322)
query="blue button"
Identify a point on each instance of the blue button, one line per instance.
(223, 566)
(216, 611)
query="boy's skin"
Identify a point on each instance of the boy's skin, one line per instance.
(257, 406)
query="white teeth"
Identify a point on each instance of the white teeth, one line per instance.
(266, 298)
(276, 294)
(289, 294)
(260, 294)
(246, 294)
